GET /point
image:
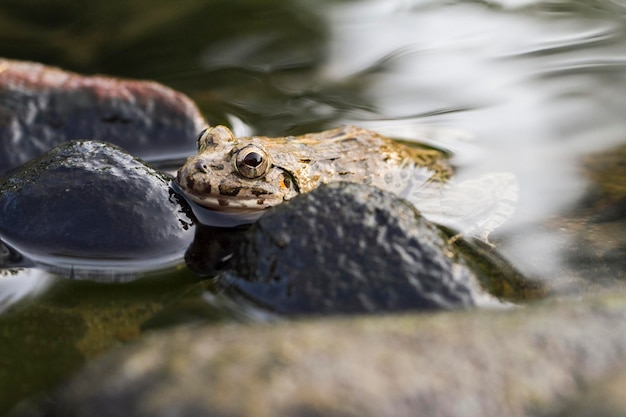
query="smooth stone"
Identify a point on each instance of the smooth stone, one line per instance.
(88, 202)
(478, 363)
(349, 248)
(42, 106)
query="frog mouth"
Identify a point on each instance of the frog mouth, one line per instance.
(232, 204)
(209, 212)
(227, 203)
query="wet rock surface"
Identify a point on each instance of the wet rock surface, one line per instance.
(41, 107)
(91, 200)
(473, 363)
(348, 248)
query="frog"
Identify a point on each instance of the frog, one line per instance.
(253, 173)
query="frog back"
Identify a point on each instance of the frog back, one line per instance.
(354, 154)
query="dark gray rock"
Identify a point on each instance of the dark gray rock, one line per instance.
(348, 248)
(91, 200)
(476, 363)
(41, 107)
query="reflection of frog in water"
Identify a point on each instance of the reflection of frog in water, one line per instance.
(251, 174)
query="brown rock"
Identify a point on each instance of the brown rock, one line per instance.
(41, 107)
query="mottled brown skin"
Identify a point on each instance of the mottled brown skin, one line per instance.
(298, 164)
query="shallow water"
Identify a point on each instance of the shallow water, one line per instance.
(536, 88)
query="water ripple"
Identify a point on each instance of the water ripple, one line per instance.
(575, 41)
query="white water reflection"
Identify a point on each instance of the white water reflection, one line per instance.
(19, 284)
(538, 89)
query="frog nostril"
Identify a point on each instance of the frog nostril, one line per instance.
(202, 167)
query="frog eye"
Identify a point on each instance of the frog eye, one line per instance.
(252, 162)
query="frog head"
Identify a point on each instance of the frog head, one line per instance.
(234, 174)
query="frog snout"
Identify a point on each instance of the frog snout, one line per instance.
(201, 166)
(205, 166)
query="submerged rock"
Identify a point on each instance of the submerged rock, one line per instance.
(41, 107)
(473, 363)
(349, 248)
(89, 201)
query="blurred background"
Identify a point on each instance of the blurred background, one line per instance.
(536, 88)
